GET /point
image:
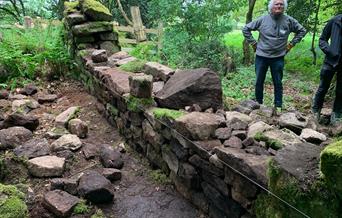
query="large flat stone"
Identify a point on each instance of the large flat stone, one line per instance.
(300, 161)
(91, 28)
(60, 203)
(253, 166)
(158, 71)
(198, 86)
(46, 166)
(116, 80)
(198, 126)
(63, 118)
(14, 136)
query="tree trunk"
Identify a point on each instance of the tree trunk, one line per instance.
(247, 56)
(314, 58)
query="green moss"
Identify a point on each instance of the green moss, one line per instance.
(98, 214)
(161, 113)
(314, 201)
(96, 6)
(82, 208)
(133, 66)
(12, 203)
(270, 143)
(331, 165)
(159, 177)
(112, 110)
(70, 7)
(135, 104)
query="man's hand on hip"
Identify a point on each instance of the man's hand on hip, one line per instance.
(288, 48)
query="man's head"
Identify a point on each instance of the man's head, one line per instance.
(277, 7)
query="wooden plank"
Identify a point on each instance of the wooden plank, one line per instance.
(128, 41)
(124, 29)
(139, 29)
(152, 31)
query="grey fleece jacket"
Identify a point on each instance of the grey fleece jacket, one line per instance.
(273, 34)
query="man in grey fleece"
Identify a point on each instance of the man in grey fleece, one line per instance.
(271, 47)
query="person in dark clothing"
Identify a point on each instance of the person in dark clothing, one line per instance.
(332, 64)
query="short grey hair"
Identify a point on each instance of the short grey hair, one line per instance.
(271, 3)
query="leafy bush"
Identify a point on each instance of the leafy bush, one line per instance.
(29, 53)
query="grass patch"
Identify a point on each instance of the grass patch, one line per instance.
(98, 214)
(159, 177)
(82, 207)
(134, 66)
(136, 104)
(12, 203)
(161, 113)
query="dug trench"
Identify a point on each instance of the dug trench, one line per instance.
(139, 190)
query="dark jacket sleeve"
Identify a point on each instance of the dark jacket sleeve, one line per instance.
(323, 40)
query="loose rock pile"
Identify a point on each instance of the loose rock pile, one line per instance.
(47, 155)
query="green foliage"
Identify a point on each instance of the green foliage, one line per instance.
(145, 51)
(161, 113)
(315, 201)
(12, 203)
(330, 163)
(159, 177)
(135, 104)
(95, 5)
(98, 214)
(133, 66)
(70, 7)
(82, 207)
(26, 54)
(270, 143)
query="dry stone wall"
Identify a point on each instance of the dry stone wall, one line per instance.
(217, 159)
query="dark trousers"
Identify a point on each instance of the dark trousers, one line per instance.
(327, 74)
(277, 66)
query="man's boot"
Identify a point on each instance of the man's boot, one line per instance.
(335, 118)
(317, 114)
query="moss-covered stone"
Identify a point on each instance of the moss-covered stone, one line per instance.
(315, 201)
(113, 111)
(270, 143)
(136, 104)
(133, 66)
(161, 113)
(95, 10)
(91, 28)
(71, 7)
(12, 203)
(331, 166)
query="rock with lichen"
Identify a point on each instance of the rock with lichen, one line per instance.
(95, 11)
(331, 163)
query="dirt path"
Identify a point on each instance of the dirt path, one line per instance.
(137, 194)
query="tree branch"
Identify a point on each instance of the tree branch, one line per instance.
(124, 13)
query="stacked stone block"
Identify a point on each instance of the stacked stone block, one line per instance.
(88, 25)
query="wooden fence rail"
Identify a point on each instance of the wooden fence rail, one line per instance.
(138, 29)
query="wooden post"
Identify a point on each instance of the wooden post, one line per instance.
(138, 26)
(160, 36)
